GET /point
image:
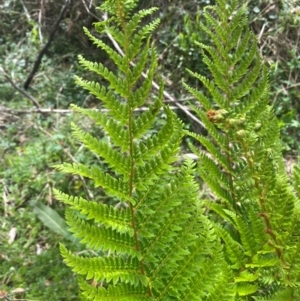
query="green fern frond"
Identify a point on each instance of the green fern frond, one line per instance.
(282, 295)
(242, 162)
(110, 156)
(111, 217)
(234, 250)
(107, 269)
(145, 120)
(157, 243)
(218, 136)
(116, 109)
(257, 227)
(211, 86)
(245, 289)
(116, 57)
(136, 19)
(119, 85)
(105, 239)
(137, 38)
(141, 64)
(245, 234)
(213, 150)
(114, 187)
(122, 292)
(114, 129)
(247, 59)
(200, 96)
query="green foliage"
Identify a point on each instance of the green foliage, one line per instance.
(277, 27)
(30, 261)
(29, 258)
(152, 241)
(255, 210)
(176, 43)
(31, 142)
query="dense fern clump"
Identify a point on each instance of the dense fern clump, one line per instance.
(153, 240)
(256, 210)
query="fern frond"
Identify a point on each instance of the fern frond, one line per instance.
(136, 19)
(110, 28)
(122, 292)
(245, 234)
(212, 88)
(221, 288)
(218, 136)
(139, 36)
(110, 269)
(222, 67)
(158, 243)
(212, 168)
(119, 135)
(216, 41)
(213, 150)
(244, 87)
(234, 251)
(257, 227)
(165, 137)
(117, 58)
(242, 47)
(145, 120)
(257, 95)
(111, 217)
(109, 155)
(247, 59)
(216, 73)
(140, 65)
(141, 93)
(118, 84)
(245, 289)
(244, 169)
(114, 187)
(237, 23)
(116, 109)
(199, 96)
(97, 238)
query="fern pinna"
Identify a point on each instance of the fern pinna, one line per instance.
(156, 244)
(256, 210)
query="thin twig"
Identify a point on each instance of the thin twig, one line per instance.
(33, 111)
(40, 22)
(27, 95)
(283, 90)
(26, 11)
(88, 9)
(59, 111)
(47, 45)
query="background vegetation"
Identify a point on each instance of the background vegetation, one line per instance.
(34, 122)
